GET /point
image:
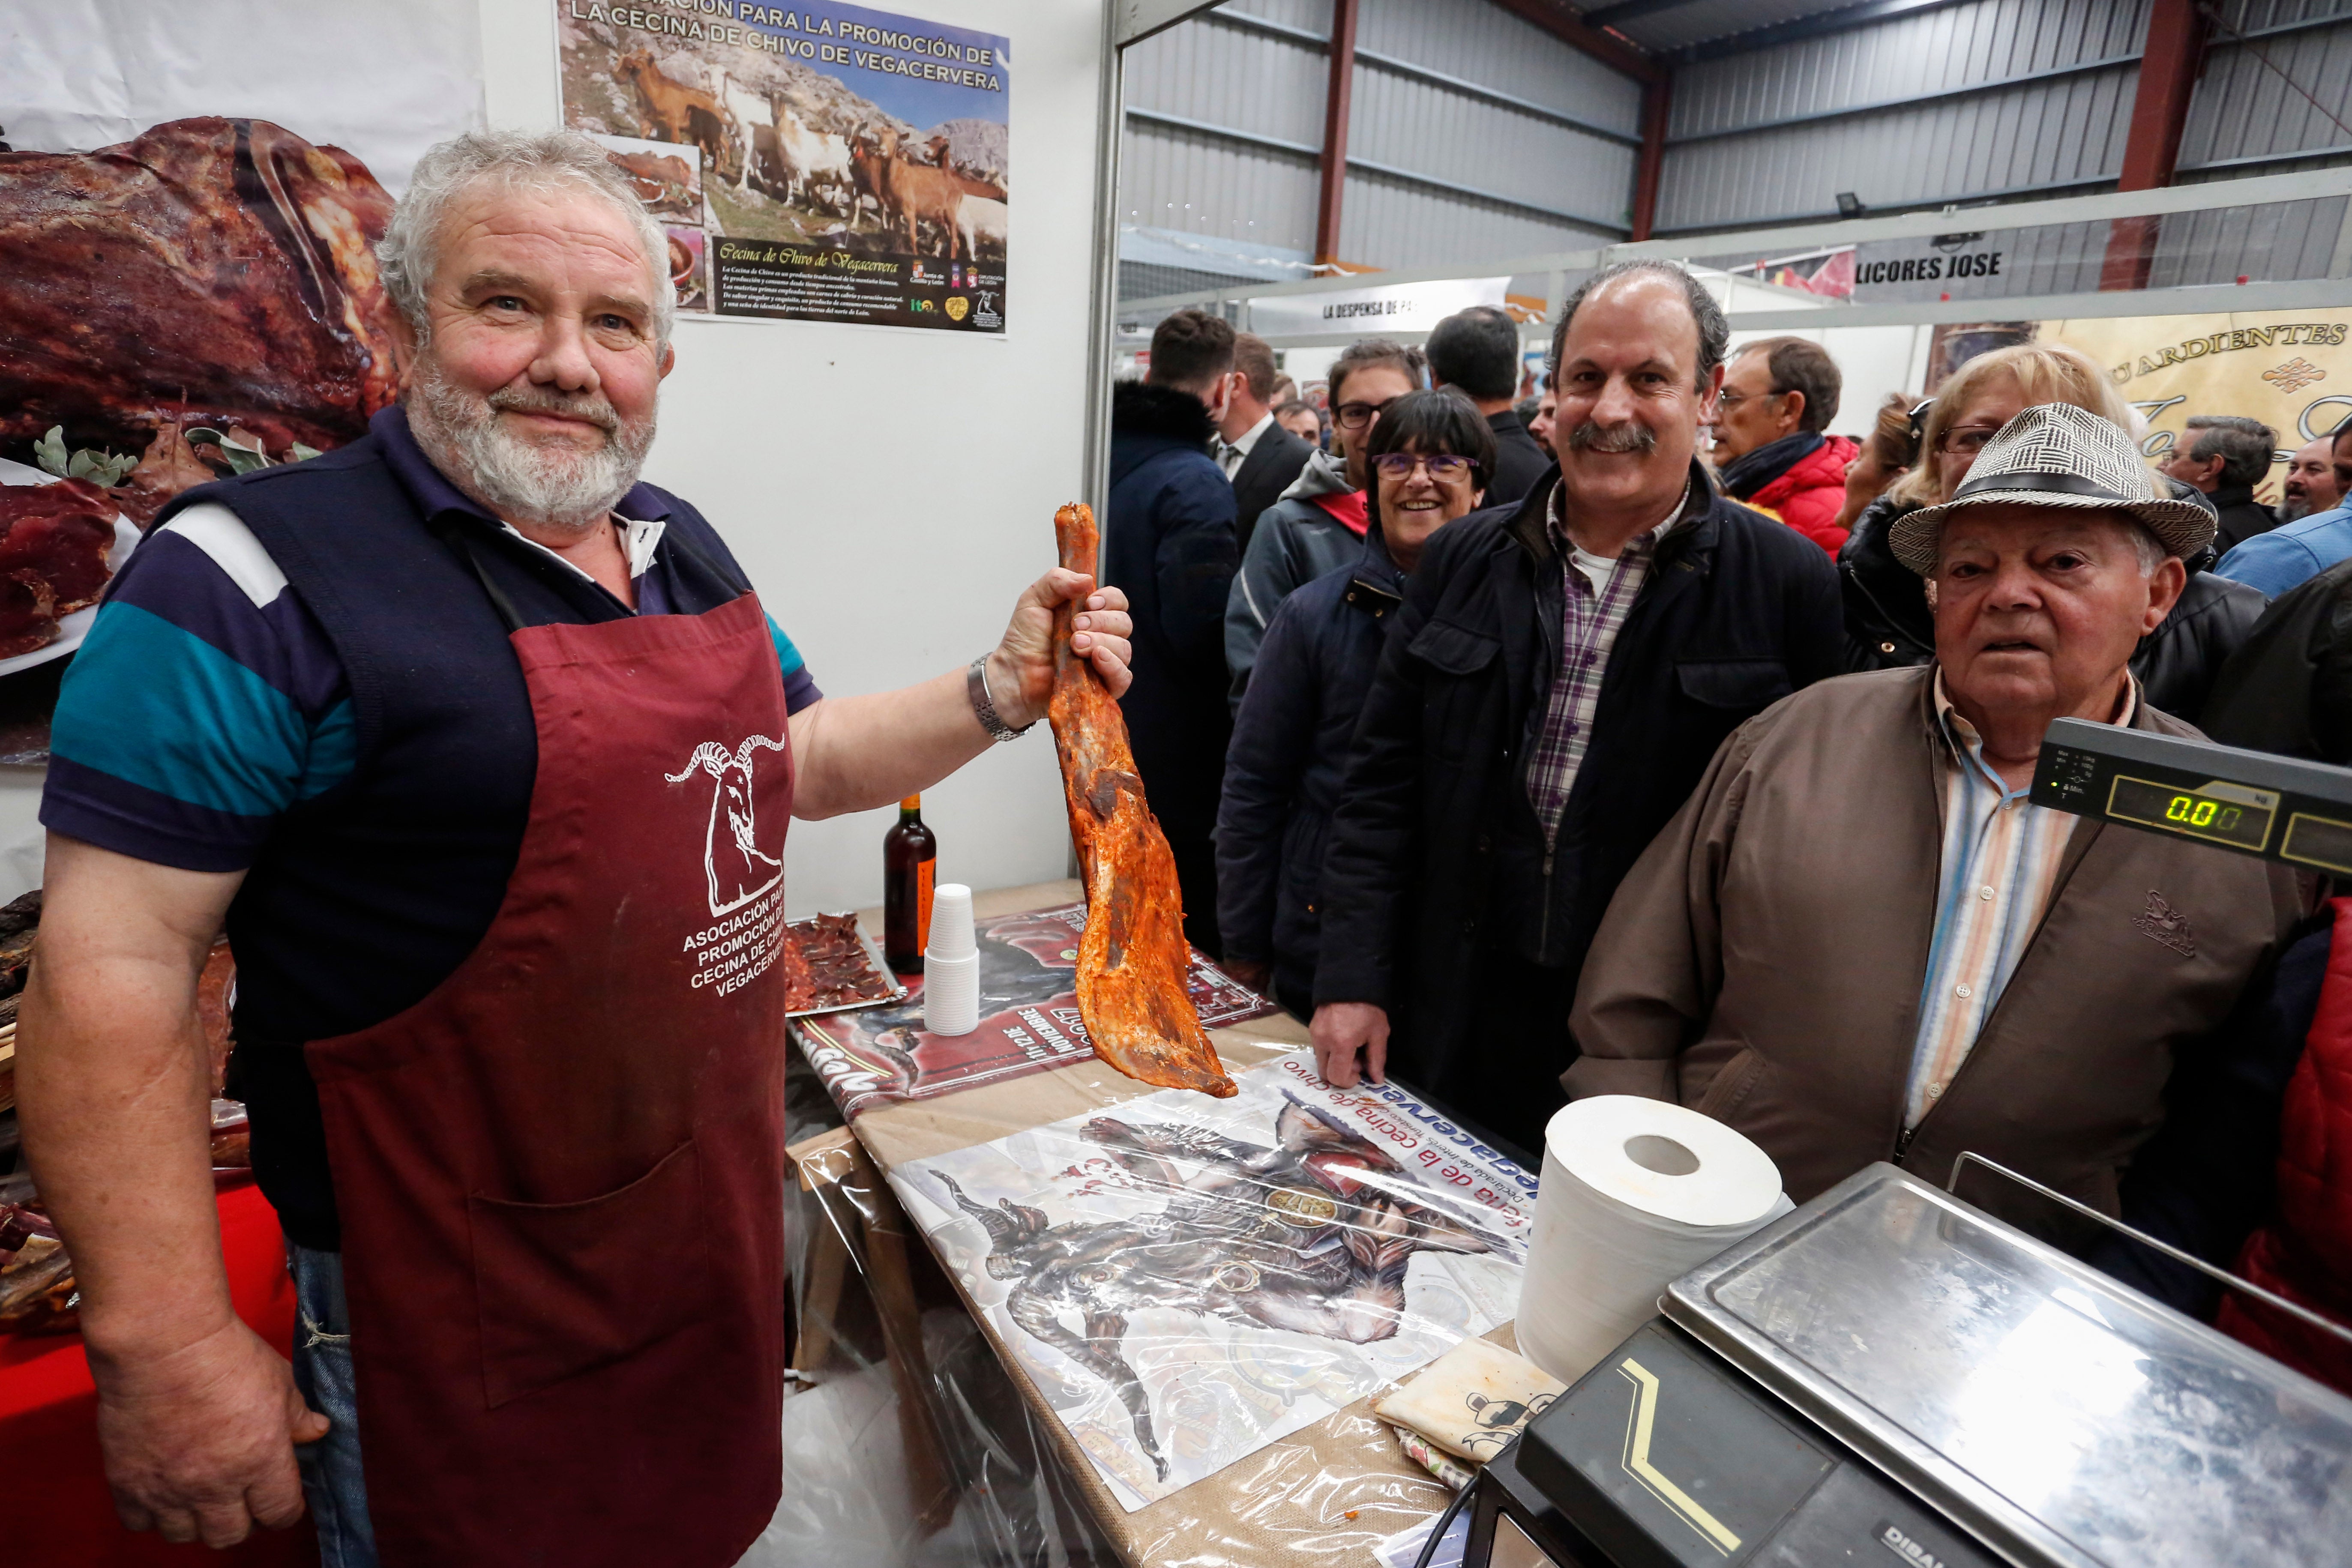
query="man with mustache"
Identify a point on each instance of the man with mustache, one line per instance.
(483, 751)
(1558, 675)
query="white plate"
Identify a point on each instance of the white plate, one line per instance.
(73, 628)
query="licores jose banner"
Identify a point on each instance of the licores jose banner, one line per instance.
(2290, 369)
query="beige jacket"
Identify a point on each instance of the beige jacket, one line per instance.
(1763, 960)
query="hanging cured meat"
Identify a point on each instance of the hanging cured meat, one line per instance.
(210, 273)
(1132, 958)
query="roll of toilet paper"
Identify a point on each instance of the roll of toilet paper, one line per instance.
(1635, 1193)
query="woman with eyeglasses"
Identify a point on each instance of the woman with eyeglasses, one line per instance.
(1888, 621)
(1430, 456)
(1318, 524)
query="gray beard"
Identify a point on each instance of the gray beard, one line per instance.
(2291, 511)
(554, 485)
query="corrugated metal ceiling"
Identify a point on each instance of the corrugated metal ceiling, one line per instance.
(1661, 26)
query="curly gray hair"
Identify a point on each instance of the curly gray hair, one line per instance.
(520, 160)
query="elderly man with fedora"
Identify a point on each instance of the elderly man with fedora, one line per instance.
(484, 753)
(1861, 941)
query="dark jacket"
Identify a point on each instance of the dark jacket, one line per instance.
(2241, 517)
(2289, 688)
(1888, 622)
(1282, 770)
(1435, 850)
(1272, 463)
(1518, 460)
(1299, 543)
(1168, 542)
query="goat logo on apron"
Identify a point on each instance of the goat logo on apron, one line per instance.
(745, 880)
(738, 870)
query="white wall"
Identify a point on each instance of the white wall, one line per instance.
(889, 490)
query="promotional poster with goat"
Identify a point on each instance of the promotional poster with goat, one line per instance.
(839, 164)
(1187, 1279)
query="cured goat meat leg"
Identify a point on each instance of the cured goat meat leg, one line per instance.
(1133, 958)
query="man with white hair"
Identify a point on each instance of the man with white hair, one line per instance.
(483, 752)
(1860, 940)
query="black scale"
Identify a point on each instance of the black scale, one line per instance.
(1889, 1375)
(2279, 807)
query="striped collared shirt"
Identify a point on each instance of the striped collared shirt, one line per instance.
(2000, 858)
(1596, 594)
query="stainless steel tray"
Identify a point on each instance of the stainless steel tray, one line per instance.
(899, 990)
(2063, 1417)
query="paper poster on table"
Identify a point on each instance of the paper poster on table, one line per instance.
(1029, 1018)
(189, 196)
(1186, 1279)
(850, 163)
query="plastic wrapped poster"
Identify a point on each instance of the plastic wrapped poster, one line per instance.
(1186, 1281)
(1028, 1019)
(846, 164)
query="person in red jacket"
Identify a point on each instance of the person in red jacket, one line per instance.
(1777, 396)
(2304, 1251)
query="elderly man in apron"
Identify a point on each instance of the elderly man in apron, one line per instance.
(482, 752)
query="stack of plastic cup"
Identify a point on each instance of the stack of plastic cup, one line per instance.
(951, 963)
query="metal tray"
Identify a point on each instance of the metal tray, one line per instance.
(873, 956)
(2061, 1415)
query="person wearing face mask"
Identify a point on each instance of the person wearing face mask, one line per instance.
(1558, 675)
(1320, 520)
(1888, 619)
(1430, 456)
(1169, 540)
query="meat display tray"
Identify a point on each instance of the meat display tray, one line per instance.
(897, 993)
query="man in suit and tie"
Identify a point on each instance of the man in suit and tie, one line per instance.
(1258, 456)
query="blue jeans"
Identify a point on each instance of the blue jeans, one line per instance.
(332, 1480)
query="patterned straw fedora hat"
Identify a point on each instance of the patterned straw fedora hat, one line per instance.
(2055, 454)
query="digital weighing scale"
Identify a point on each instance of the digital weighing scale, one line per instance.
(1888, 1375)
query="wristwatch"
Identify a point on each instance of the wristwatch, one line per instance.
(983, 706)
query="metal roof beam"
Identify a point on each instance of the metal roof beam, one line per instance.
(1612, 49)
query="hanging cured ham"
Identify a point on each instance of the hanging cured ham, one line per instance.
(209, 272)
(1132, 959)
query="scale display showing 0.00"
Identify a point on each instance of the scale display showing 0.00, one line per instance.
(2170, 809)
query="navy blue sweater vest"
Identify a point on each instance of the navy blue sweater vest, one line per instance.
(368, 896)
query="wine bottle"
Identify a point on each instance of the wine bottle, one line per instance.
(910, 855)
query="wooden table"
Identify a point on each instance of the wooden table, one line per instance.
(1321, 1496)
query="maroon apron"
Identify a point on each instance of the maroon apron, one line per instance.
(561, 1174)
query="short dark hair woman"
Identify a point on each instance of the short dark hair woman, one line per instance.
(1430, 455)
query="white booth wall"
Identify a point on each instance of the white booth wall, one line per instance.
(889, 490)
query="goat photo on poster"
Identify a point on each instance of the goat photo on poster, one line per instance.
(840, 164)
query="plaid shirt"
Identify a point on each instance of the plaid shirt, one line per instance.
(1999, 860)
(1591, 614)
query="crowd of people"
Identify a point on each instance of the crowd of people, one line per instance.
(1647, 737)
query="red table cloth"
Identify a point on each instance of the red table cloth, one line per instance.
(60, 1513)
